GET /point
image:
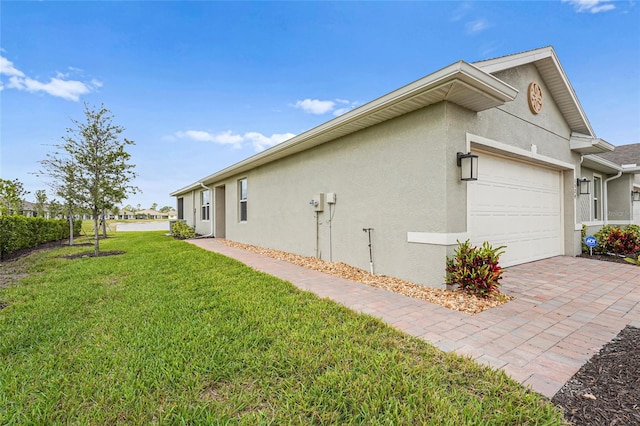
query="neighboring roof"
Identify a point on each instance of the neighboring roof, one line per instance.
(548, 65)
(148, 211)
(28, 206)
(624, 154)
(460, 83)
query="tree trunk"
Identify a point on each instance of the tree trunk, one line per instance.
(70, 226)
(96, 244)
(104, 225)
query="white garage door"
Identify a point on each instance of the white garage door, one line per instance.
(516, 204)
(636, 211)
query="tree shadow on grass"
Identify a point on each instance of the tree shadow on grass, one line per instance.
(92, 254)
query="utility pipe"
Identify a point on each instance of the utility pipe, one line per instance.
(605, 202)
(368, 231)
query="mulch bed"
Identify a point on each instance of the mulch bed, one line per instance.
(457, 299)
(606, 390)
(605, 257)
(44, 246)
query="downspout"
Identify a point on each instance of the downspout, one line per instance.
(605, 202)
(210, 234)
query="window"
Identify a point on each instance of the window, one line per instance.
(205, 204)
(180, 208)
(242, 189)
(597, 198)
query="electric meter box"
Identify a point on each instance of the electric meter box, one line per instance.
(319, 202)
(331, 198)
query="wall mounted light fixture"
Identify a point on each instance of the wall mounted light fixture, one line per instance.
(635, 195)
(583, 186)
(468, 164)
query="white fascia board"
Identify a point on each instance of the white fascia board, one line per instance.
(511, 61)
(585, 144)
(472, 76)
(600, 164)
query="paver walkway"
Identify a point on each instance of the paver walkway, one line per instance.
(565, 310)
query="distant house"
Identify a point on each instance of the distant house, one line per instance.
(170, 215)
(620, 166)
(498, 150)
(29, 209)
(147, 214)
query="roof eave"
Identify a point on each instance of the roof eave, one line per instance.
(460, 83)
(584, 144)
(563, 93)
(599, 164)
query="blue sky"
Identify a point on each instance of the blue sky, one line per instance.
(202, 85)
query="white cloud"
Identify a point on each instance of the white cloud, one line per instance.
(591, 6)
(7, 68)
(224, 138)
(477, 26)
(461, 11)
(315, 106)
(259, 141)
(58, 86)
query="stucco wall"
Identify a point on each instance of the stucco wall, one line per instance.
(515, 124)
(387, 177)
(619, 204)
(396, 177)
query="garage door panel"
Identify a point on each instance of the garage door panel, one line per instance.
(518, 205)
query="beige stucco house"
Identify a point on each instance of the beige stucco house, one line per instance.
(392, 166)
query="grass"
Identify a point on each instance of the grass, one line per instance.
(171, 334)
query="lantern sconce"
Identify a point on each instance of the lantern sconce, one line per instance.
(635, 195)
(468, 164)
(583, 186)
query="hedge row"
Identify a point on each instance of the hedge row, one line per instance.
(18, 232)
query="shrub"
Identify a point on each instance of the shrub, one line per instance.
(182, 231)
(19, 232)
(475, 270)
(618, 241)
(633, 261)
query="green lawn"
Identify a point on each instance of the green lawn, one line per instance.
(171, 334)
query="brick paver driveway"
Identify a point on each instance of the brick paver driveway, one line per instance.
(565, 310)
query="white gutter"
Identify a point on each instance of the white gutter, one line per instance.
(605, 203)
(210, 234)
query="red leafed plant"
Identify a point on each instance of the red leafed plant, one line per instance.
(618, 241)
(475, 270)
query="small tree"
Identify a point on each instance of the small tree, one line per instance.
(97, 163)
(41, 201)
(11, 195)
(60, 168)
(55, 209)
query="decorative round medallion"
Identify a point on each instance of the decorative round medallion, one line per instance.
(535, 98)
